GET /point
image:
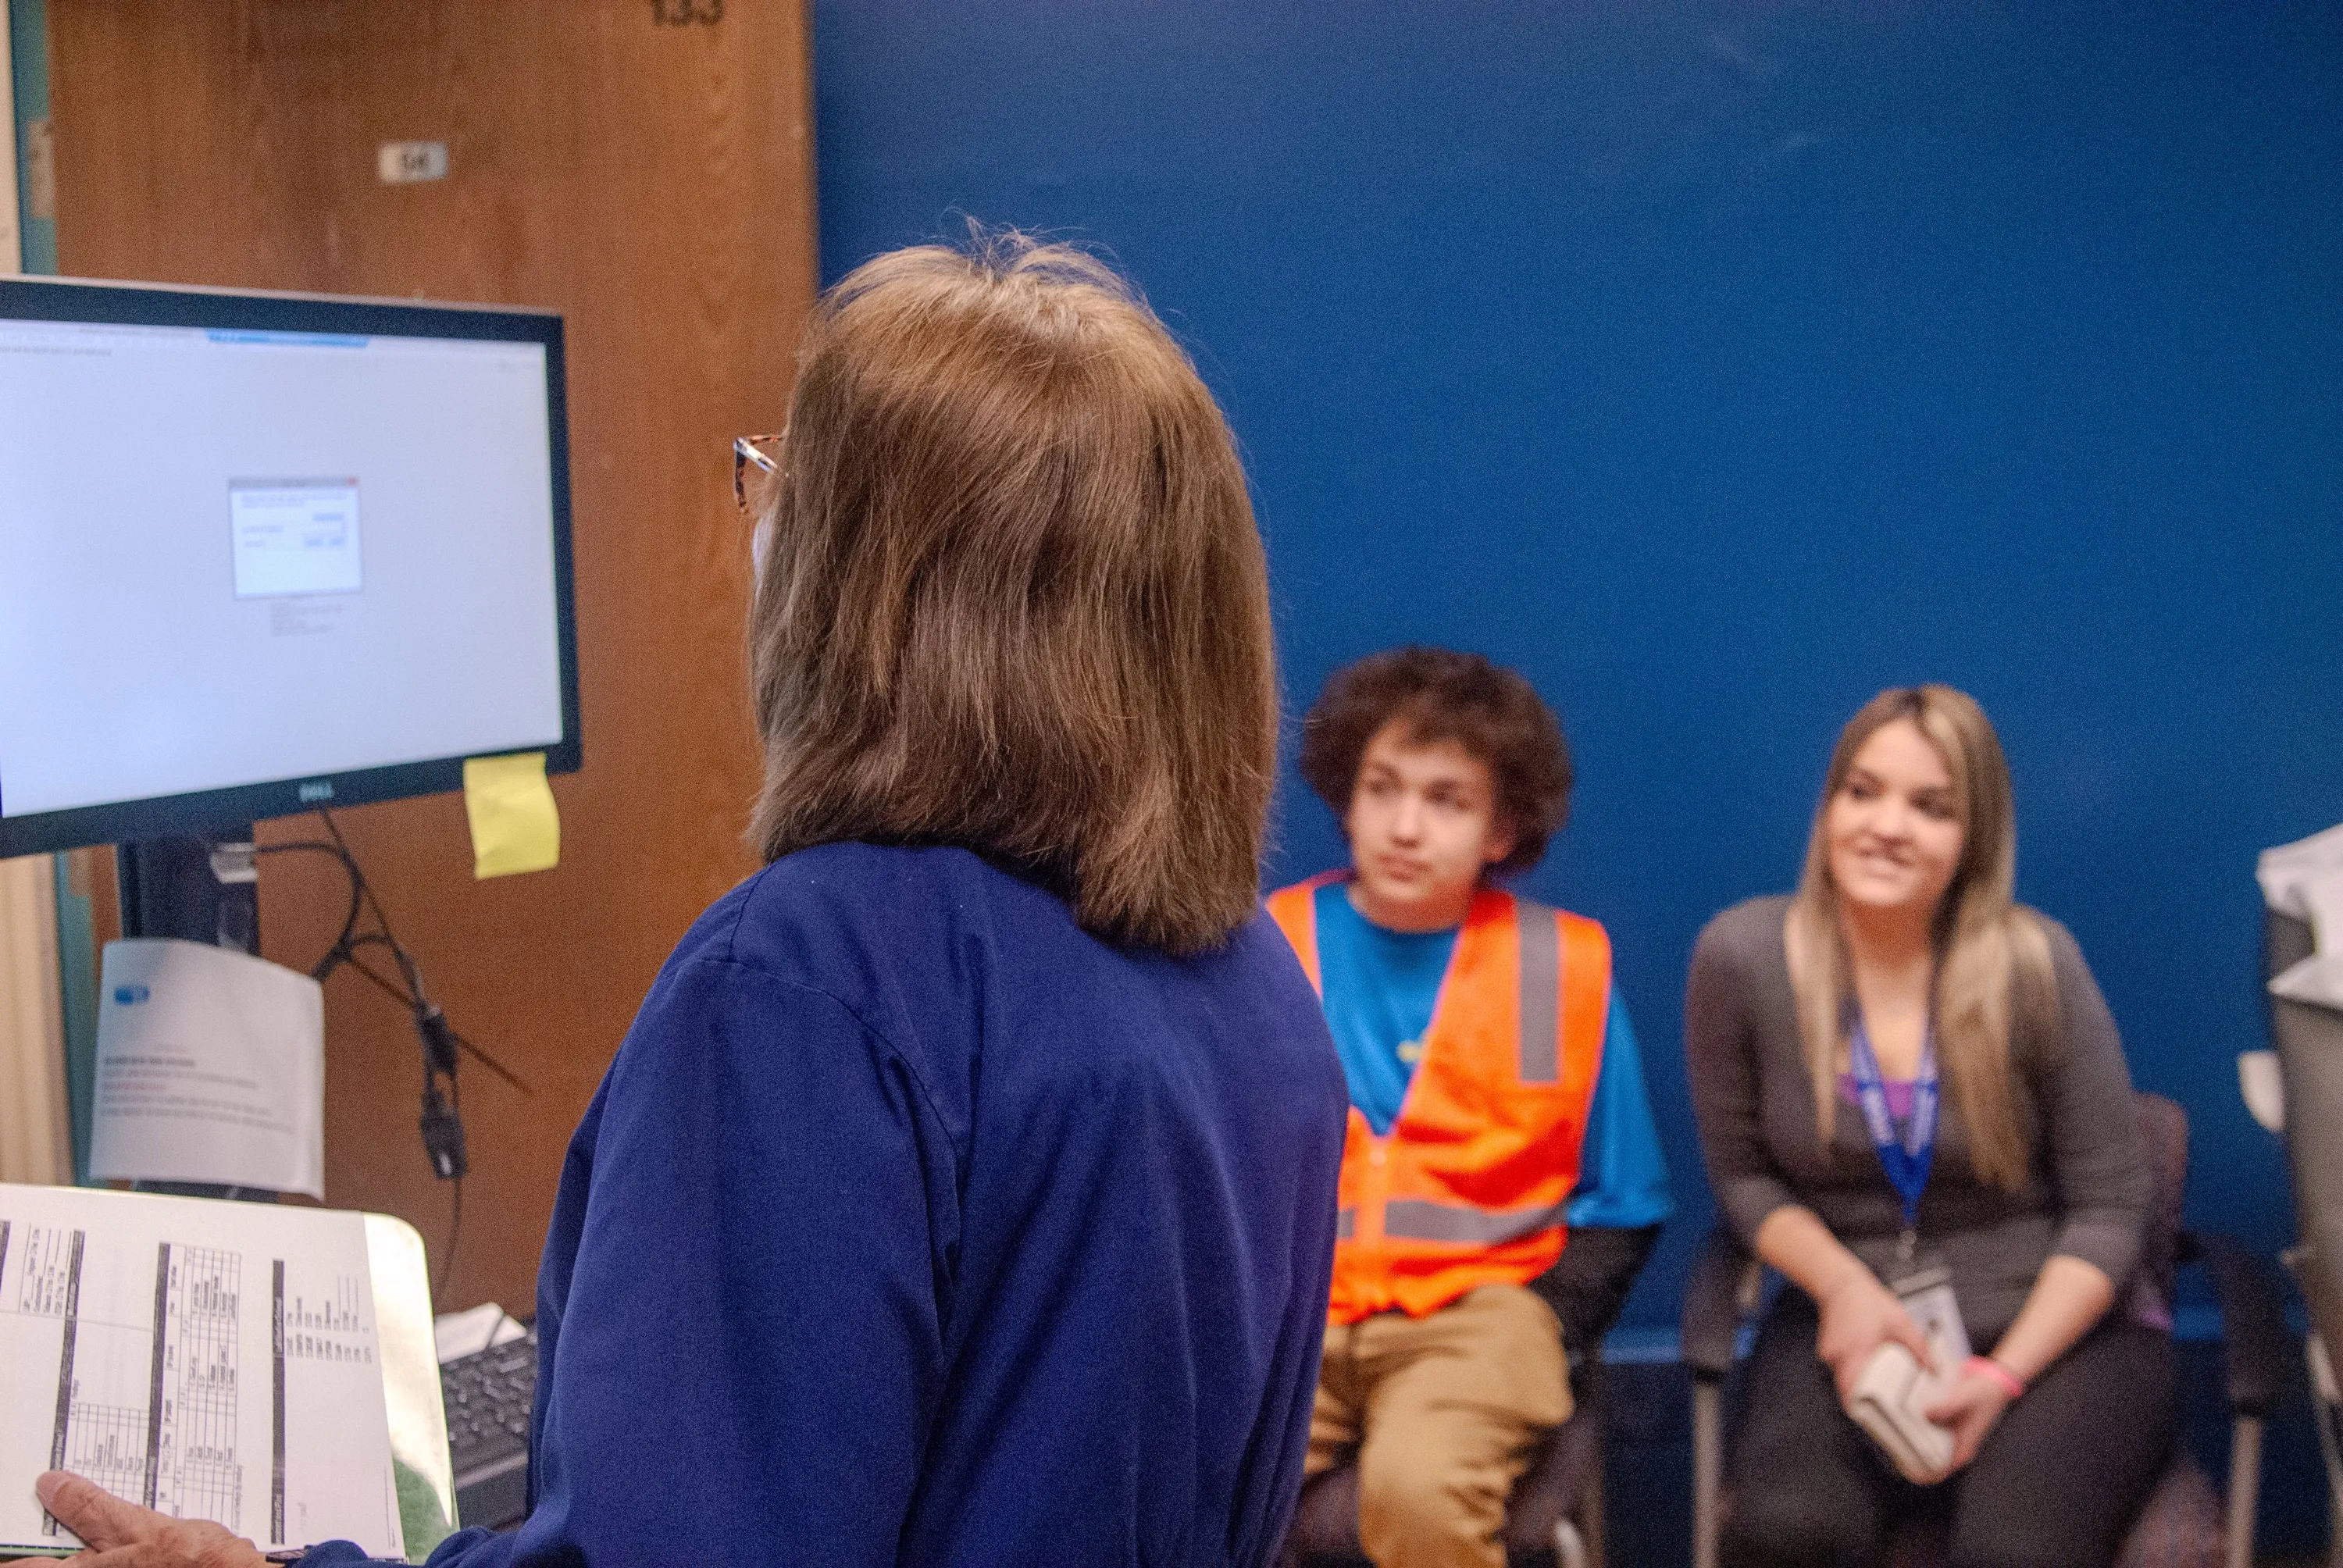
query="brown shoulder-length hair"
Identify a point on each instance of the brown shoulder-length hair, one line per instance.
(1013, 598)
(1993, 955)
(1493, 713)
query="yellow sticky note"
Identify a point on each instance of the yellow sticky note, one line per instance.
(510, 806)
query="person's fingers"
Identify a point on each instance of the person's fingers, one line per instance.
(179, 1543)
(1972, 1423)
(1958, 1401)
(101, 1519)
(1907, 1332)
(1906, 1327)
(136, 1556)
(1966, 1438)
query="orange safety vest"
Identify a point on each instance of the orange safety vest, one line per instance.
(1470, 1186)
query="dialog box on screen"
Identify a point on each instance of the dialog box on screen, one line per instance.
(294, 535)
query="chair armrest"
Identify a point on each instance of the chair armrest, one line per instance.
(2258, 1351)
(1589, 1284)
(1715, 1301)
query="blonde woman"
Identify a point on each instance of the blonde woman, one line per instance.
(1900, 993)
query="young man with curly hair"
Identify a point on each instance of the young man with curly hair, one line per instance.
(1502, 1180)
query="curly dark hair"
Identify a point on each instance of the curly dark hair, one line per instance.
(1495, 714)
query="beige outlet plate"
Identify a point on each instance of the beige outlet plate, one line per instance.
(405, 163)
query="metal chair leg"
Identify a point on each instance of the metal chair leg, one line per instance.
(2245, 1488)
(1708, 1468)
(2326, 1410)
(1597, 1526)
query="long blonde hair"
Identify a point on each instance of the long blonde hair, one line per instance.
(1993, 956)
(1014, 599)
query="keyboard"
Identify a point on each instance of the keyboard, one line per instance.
(487, 1395)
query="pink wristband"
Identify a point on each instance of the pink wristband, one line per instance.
(1993, 1372)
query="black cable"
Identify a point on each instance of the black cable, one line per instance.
(441, 1123)
(339, 951)
(367, 970)
(456, 1202)
(409, 1001)
(492, 1064)
(346, 944)
(454, 1234)
(406, 964)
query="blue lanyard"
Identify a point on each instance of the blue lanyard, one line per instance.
(1906, 1154)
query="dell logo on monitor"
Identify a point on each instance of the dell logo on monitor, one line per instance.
(323, 789)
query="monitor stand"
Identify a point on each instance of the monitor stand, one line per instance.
(200, 890)
(186, 887)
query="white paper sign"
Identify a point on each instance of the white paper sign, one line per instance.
(211, 1067)
(207, 1360)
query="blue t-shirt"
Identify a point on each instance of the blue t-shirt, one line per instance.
(1381, 987)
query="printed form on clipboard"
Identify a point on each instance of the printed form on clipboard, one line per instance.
(207, 1360)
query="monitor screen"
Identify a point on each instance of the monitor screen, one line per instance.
(259, 552)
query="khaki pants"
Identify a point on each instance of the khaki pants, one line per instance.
(1444, 1411)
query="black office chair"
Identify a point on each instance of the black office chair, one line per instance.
(1554, 1514)
(2183, 1525)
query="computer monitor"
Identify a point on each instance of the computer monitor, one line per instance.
(260, 552)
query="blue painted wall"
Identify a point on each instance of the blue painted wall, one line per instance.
(1718, 364)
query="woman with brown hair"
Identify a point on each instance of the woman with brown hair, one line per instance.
(1821, 1028)
(964, 1192)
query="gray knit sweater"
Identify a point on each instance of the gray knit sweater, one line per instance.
(2087, 1192)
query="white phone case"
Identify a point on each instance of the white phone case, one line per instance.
(1894, 1391)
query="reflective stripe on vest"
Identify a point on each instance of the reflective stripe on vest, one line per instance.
(1471, 1184)
(1419, 1221)
(1540, 995)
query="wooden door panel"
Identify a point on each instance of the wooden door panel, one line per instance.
(650, 179)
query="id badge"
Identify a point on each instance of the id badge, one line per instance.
(1926, 1293)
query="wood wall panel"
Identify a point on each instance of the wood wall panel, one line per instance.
(652, 182)
(36, 1130)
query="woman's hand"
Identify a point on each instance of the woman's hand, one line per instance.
(1857, 1318)
(121, 1535)
(1971, 1410)
(1859, 1314)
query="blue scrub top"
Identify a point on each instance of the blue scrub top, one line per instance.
(915, 1225)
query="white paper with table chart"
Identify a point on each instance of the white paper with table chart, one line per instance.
(208, 1359)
